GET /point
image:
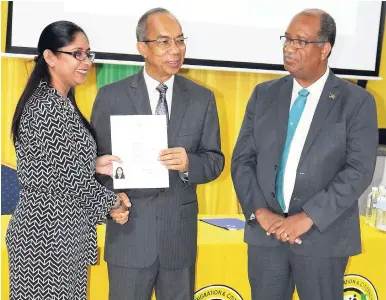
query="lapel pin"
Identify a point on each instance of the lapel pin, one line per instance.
(331, 96)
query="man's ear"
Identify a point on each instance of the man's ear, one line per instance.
(142, 49)
(326, 49)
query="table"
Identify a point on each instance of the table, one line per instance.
(222, 265)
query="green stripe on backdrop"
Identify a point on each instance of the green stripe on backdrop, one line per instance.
(107, 73)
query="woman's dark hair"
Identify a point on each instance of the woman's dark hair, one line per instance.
(55, 36)
(116, 174)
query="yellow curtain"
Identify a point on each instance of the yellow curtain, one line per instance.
(232, 90)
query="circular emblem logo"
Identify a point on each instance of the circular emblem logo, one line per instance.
(357, 287)
(217, 292)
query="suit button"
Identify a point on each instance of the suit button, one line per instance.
(275, 167)
(273, 195)
(162, 190)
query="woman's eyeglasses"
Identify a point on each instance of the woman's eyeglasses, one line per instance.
(80, 54)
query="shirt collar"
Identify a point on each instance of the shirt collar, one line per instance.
(152, 84)
(316, 87)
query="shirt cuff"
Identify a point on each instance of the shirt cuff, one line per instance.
(184, 176)
(251, 220)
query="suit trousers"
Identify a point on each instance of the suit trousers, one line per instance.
(138, 283)
(275, 271)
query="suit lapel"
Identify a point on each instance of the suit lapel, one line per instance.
(329, 96)
(180, 101)
(283, 103)
(138, 94)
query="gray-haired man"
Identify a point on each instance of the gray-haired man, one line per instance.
(157, 246)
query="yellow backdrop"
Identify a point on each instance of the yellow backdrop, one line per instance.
(232, 90)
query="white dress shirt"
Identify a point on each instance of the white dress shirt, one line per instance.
(152, 85)
(301, 133)
(154, 94)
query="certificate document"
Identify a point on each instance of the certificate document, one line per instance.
(138, 140)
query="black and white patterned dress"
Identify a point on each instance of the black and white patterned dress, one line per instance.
(51, 237)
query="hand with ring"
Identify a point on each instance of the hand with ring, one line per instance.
(284, 236)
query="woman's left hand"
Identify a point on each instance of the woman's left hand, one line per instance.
(104, 164)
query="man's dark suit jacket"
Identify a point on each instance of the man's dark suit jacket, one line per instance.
(162, 222)
(335, 168)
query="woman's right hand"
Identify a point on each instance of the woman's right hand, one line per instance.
(121, 209)
(104, 164)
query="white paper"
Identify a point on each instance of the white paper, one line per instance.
(138, 140)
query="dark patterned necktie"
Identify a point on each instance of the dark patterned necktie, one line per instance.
(162, 105)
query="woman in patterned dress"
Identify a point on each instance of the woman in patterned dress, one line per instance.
(51, 237)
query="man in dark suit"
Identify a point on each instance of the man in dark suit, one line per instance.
(157, 246)
(305, 153)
